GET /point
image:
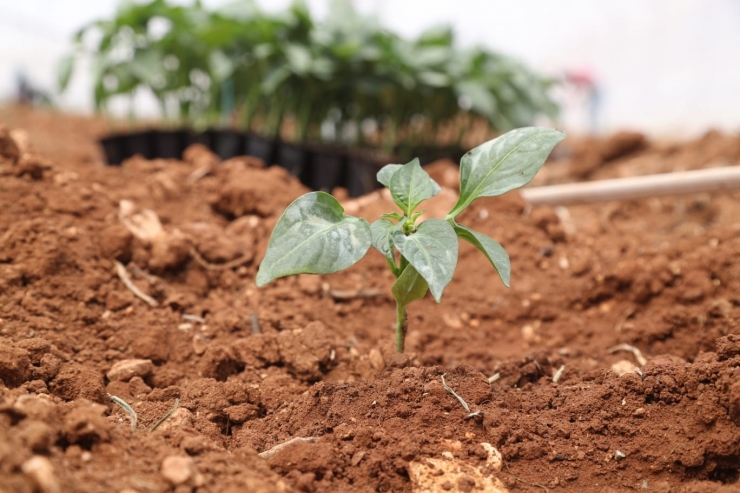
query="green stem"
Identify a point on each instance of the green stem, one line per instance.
(403, 264)
(401, 326)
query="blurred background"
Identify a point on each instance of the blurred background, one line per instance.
(664, 67)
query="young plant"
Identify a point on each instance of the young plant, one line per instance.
(314, 236)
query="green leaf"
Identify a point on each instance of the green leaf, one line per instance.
(386, 173)
(432, 250)
(147, 65)
(434, 79)
(494, 252)
(503, 164)
(380, 232)
(221, 66)
(481, 99)
(411, 185)
(392, 215)
(313, 236)
(410, 286)
(298, 57)
(64, 71)
(273, 80)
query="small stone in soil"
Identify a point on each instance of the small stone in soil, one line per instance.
(177, 469)
(376, 359)
(41, 471)
(126, 369)
(397, 361)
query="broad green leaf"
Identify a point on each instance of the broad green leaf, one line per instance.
(242, 10)
(298, 57)
(410, 286)
(64, 71)
(147, 66)
(411, 185)
(503, 164)
(273, 80)
(432, 250)
(221, 67)
(434, 79)
(386, 173)
(494, 252)
(481, 100)
(380, 232)
(313, 236)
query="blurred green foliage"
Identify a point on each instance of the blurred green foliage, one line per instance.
(342, 80)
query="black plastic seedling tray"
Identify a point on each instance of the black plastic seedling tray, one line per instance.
(318, 166)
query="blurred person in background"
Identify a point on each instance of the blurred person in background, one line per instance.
(582, 99)
(28, 95)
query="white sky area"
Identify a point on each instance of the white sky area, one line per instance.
(665, 67)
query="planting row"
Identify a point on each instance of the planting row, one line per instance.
(318, 166)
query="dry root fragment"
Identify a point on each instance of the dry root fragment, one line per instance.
(145, 225)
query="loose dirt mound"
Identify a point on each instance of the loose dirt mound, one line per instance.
(311, 356)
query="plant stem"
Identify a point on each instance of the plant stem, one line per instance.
(401, 326)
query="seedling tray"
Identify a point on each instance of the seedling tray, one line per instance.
(318, 166)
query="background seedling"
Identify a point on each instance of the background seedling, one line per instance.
(314, 236)
(132, 416)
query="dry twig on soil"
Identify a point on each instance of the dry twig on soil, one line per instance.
(523, 481)
(228, 265)
(193, 318)
(254, 323)
(625, 316)
(460, 400)
(558, 374)
(198, 174)
(123, 275)
(268, 454)
(629, 348)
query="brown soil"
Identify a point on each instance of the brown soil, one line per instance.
(312, 356)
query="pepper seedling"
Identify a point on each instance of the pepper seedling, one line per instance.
(314, 236)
